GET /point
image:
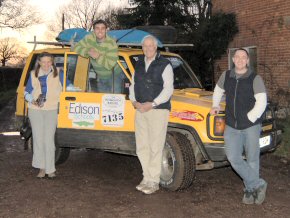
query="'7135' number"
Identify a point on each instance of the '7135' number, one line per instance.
(112, 117)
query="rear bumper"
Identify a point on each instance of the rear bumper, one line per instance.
(216, 151)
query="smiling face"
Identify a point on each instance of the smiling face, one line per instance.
(100, 31)
(45, 63)
(241, 60)
(149, 48)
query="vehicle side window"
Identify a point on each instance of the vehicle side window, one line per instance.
(76, 74)
(114, 83)
(58, 61)
(32, 66)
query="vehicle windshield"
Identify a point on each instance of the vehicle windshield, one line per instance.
(183, 75)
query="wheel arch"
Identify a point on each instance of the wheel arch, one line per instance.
(191, 134)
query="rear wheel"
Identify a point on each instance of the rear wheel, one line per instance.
(178, 163)
(61, 154)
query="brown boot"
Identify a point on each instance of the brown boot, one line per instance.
(41, 174)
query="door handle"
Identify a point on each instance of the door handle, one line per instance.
(69, 98)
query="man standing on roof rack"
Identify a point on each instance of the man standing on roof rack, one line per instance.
(103, 53)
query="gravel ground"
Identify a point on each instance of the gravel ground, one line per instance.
(99, 184)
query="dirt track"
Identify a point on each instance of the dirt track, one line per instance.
(96, 184)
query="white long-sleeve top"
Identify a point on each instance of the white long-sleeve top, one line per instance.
(259, 94)
(168, 87)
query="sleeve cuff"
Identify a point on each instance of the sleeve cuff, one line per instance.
(28, 97)
(251, 117)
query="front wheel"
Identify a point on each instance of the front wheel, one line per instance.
(178, 163)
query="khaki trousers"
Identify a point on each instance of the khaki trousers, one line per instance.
(150, 132)
(43, 123)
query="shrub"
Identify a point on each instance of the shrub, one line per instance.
(284, 149)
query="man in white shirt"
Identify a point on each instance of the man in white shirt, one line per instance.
(150, 93)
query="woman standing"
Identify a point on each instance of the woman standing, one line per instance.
(42, 92)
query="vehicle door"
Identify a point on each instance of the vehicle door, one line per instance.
(84, 105)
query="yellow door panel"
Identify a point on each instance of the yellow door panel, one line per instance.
(95, 111)
(81, 75)
(79, 108)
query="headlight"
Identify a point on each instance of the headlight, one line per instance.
(219, 125)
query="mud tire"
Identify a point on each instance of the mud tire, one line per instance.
(178, 163)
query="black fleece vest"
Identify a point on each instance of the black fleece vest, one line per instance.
(240, 100)
(148, 85)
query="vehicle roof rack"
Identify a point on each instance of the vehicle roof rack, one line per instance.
(62, 44)
(69, 44)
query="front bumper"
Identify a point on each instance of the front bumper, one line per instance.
(216, 151)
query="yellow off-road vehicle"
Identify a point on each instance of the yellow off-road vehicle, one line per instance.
(105, 121)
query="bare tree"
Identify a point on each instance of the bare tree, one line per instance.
(79, 13)
(10, 50)
(17, 14)
(110, 15)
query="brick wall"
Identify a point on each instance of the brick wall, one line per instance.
(266, 25)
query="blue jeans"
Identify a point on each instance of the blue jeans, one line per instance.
(246, 141)
(105, 85)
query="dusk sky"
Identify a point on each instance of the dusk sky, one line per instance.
(47, 9)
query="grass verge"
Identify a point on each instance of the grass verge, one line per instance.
(284, 149)
(6, 96)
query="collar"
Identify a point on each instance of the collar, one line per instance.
(245, 75)
(43, 73)
(157, 56)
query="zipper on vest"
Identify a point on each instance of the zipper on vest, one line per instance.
(236, 122)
